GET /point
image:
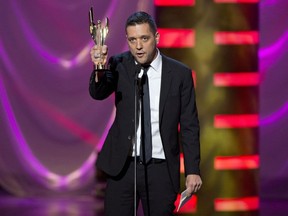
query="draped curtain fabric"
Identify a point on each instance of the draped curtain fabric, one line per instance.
(50, 128)
(274, 99)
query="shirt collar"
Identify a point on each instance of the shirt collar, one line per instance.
(155, 64)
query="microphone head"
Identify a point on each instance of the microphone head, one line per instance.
(138, 68)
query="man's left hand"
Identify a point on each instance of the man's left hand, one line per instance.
(193, 183)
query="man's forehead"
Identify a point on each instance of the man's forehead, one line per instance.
(139, 30)
(142, 26)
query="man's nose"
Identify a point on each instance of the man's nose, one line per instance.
(138, 44)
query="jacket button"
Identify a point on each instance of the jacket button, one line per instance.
(129, 137)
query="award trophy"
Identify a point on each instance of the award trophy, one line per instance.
(99, 35)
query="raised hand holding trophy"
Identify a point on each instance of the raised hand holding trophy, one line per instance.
(99, 34)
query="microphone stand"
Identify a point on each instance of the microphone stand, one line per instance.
(136, 108)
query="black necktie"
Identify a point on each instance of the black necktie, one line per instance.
(146, 137)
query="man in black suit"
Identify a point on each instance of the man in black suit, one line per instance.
(172, 102)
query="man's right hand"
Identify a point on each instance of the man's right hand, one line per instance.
(99, 54)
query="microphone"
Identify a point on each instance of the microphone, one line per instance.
(137, 70)
(139, 80)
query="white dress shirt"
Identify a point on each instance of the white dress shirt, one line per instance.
(154, 79)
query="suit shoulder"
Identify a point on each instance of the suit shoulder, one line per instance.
(120, 59)
(121, 56)
(175, 64)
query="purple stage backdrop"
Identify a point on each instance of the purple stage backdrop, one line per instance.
(50, 128)
(274, 99)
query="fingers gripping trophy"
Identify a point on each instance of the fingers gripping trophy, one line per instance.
(99, 34)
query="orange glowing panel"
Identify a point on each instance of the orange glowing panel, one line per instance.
(176, 38)
(236, 162)
(182, 170)
(237, 1)
(174, 2)
(236, 121)
(236, 79)
(236, 38)
(189, 207)
(194, 78)
(236, 204)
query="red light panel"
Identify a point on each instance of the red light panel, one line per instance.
(236, 162)
(236, 38)
(176, 38)
(174, 2)
(236, 79)
(236, 121)
(236, 204)
(237, 1)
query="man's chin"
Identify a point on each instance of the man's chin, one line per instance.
(140, 61)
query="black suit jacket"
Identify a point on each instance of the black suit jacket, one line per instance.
(177, 105)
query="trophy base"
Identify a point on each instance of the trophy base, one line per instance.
(102, 70)
(99, 73)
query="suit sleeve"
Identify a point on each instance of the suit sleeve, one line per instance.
(189, 126)
(106, 85)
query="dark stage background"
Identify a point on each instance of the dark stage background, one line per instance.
(51, 130)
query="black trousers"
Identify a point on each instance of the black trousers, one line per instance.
(154, 189)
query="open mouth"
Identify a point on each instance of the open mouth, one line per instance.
(140, 55)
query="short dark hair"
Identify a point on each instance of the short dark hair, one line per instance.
(141, 17)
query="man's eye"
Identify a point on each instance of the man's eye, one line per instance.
(145, 38)
(132, 40)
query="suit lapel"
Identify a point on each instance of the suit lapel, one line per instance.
(165, 85)
(130, 68)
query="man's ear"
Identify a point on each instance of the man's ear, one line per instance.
(157, 37)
